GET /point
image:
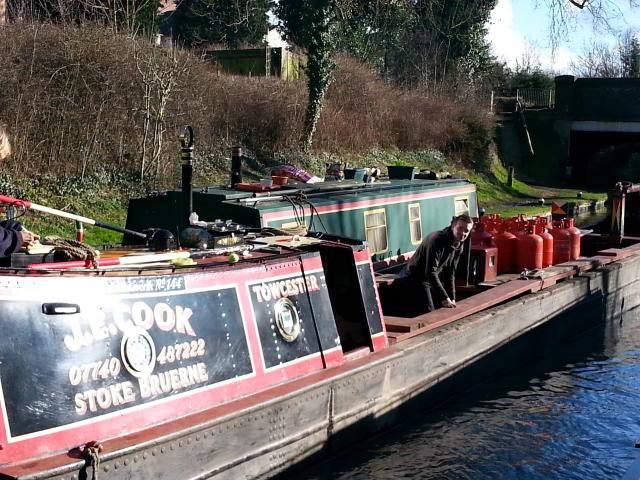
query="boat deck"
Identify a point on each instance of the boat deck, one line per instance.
(489, 294)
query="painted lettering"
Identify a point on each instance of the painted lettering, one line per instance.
(267, 292)
(104, 398)
(165, 317)
(173, 380)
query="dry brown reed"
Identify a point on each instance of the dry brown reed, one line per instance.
(75, 98)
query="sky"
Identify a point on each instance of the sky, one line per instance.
(520, 28)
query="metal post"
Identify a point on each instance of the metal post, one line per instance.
(511, 171)
(236, 165)
(186, 139)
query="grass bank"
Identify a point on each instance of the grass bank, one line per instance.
(104, 197)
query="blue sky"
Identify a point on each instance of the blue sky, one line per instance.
(521, 27)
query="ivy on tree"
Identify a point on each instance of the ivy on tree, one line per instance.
(313, 25)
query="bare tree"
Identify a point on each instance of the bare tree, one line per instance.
(565, 15)
(610, 61)
(159, 72)
(120, 15)
(600, 60)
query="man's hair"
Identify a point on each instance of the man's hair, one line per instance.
(463, 218)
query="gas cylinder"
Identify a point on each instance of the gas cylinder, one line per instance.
(506, 243)
(574, 232)
(480, 237)
(547, 242)
(529, 251)
(561, 242)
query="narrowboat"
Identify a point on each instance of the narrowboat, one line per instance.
(113, 352)
(256, 347)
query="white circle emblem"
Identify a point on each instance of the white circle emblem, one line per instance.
(138, 352)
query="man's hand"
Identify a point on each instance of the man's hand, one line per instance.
(448, 303)
(28, 238)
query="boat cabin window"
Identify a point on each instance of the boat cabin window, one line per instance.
(375, 226)
(461, 205)
(415, 224)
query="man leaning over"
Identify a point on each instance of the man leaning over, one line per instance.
(432, 269)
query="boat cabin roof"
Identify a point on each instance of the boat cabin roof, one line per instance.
(328, 193)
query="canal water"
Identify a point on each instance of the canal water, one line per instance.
(570, 414)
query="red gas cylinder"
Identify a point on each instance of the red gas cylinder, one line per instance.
(561, 243)
(529, 251)
(547, 242)
(506, 243)
(575, 238)
(480, 237)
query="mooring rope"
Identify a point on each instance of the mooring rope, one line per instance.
(93, 457)
(65, 249)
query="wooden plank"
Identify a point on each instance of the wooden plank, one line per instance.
(466, 307)
(400, 324)
(385, 278)
(612, 252)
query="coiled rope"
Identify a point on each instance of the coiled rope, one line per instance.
(65, 249)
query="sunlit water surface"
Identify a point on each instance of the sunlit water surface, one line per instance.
(573, 414)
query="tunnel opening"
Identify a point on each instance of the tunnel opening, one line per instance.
(599, 159)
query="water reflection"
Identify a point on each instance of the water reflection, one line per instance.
(570, 415)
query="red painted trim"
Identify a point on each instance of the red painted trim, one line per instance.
(380, 341)
(361, 352)
(352, 205)
(362, 256)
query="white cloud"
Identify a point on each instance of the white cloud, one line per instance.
(512, 47)
(506, 43)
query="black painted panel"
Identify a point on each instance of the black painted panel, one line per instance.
(298, 289)
(57, 369)
(368, 289)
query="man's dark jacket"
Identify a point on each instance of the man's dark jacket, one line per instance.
(10, 237)
(433, 267)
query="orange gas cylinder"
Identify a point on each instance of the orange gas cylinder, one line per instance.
(561, 243)
(506, 243)
(547, 243)
(529, 251)
(480, 237)
(575, 238)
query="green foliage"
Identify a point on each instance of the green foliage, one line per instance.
(229, 22)
(445, 43)
(313, 25)
(530, 79)
(102, 196)
(375, 30)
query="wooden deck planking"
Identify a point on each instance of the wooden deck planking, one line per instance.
(468, 306)
(400, 328)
